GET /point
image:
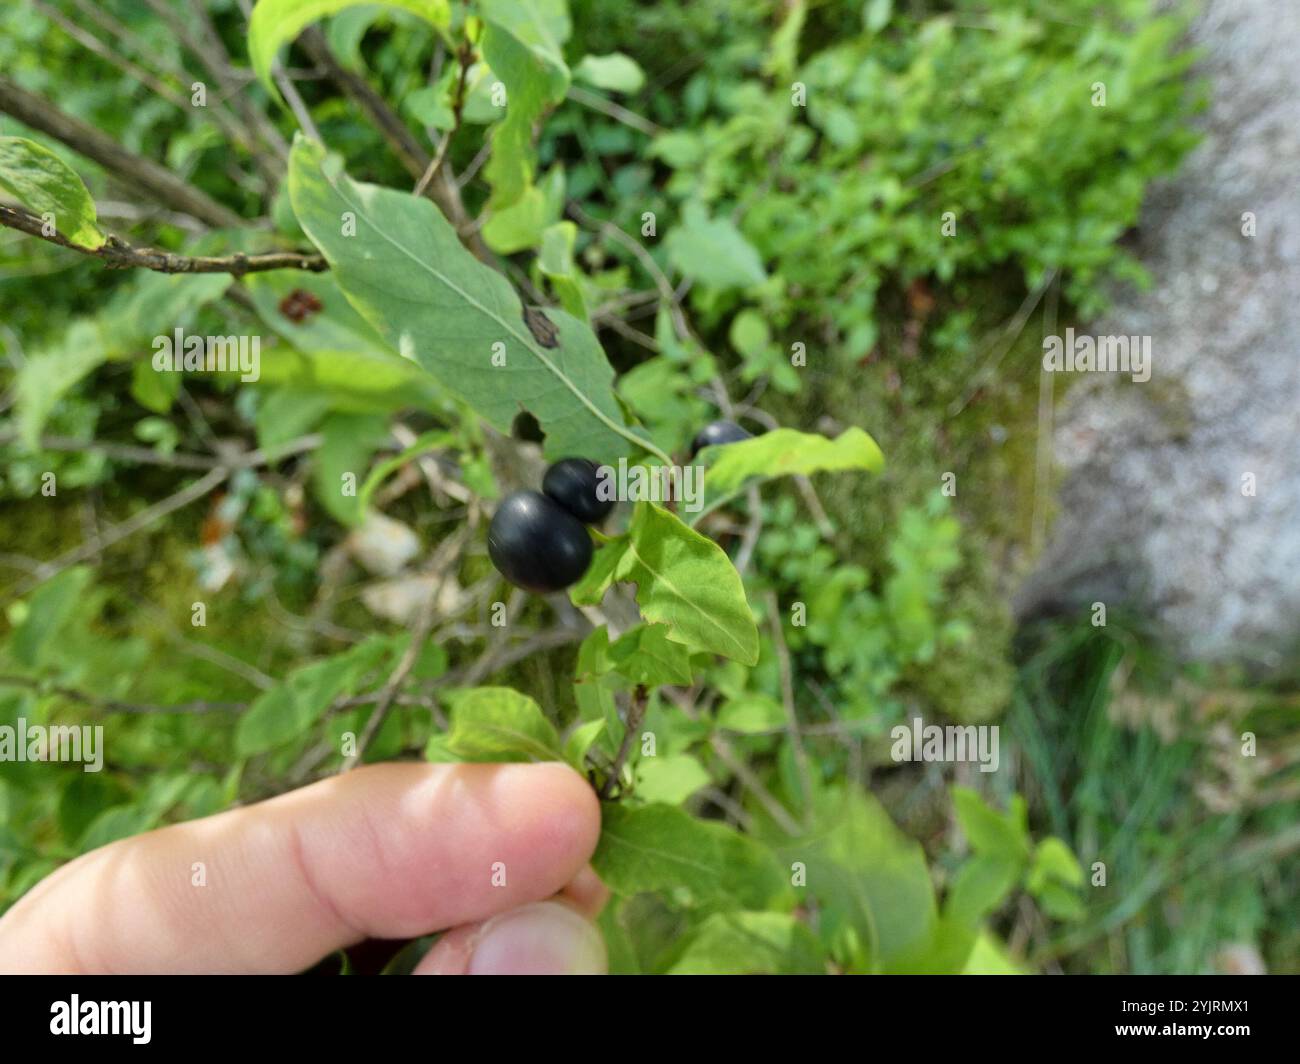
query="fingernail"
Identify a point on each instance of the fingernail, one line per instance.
(545, 938)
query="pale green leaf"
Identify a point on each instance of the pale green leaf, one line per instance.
(645, 655)
(47, 376)
(535, 78)
(669, 779)
(683, 580)
(277, 22)
(987, 830)
(342, 459)
(555, 261)
(980, 886)
(615, 72)
(580, 741)
(500, 724)
(989, 957)
(713, 252)
(44, 183)
(751, 713)
(782, 452)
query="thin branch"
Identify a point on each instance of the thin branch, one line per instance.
(635, 715)
(212, 46)
(126, 528)
(384, 703)
(613, 110)
(466, 58)
(112, 705)
(749, 779)
(116, 253)
(171, 190)
(443, 189)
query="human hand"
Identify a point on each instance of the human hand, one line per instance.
(496, 855)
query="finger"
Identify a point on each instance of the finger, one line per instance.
(387, 851)
(544, 938)
(586, 893)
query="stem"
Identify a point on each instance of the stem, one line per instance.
(117, 253)
(635, 715)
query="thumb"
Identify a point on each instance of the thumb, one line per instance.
(544, 938)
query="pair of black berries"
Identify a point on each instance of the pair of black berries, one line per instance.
(536, 538)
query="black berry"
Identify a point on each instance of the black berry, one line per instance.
(574, 484)
(718, 432)
(536, 544)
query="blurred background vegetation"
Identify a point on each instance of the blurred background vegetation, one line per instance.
(832, 214)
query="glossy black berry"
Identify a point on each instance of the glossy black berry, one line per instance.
(574, 483)
(536, 544)
(718, 432)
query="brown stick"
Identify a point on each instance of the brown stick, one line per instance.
(635, 715)
(118, 254)
(165, 186)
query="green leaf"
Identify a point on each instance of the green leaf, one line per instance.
(407, 273)
(751, 943)
(119, 822)
(683, 580)
(44, 183)
(83, 797)
(580, 741)
(287, 710)
(712, 251)
(659, 847)
(48, 609)
(644, 655)
(989, 957)
(47, 376)
(871, 882)
(152, 390)
(523, 224)
(615, 72)
(876, 13)
(987, 830)
(535, 78)
(782, 452)
(1054, 861)
(981, 885)
(500, 724)
(1054, 879)
(751, 713)
(277, 22)
(555, 261)
(350, 440)
(543, 25)
(669, 779)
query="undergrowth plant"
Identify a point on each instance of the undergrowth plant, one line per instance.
(535, 242)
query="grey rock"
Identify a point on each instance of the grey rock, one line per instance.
(1151, 509)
